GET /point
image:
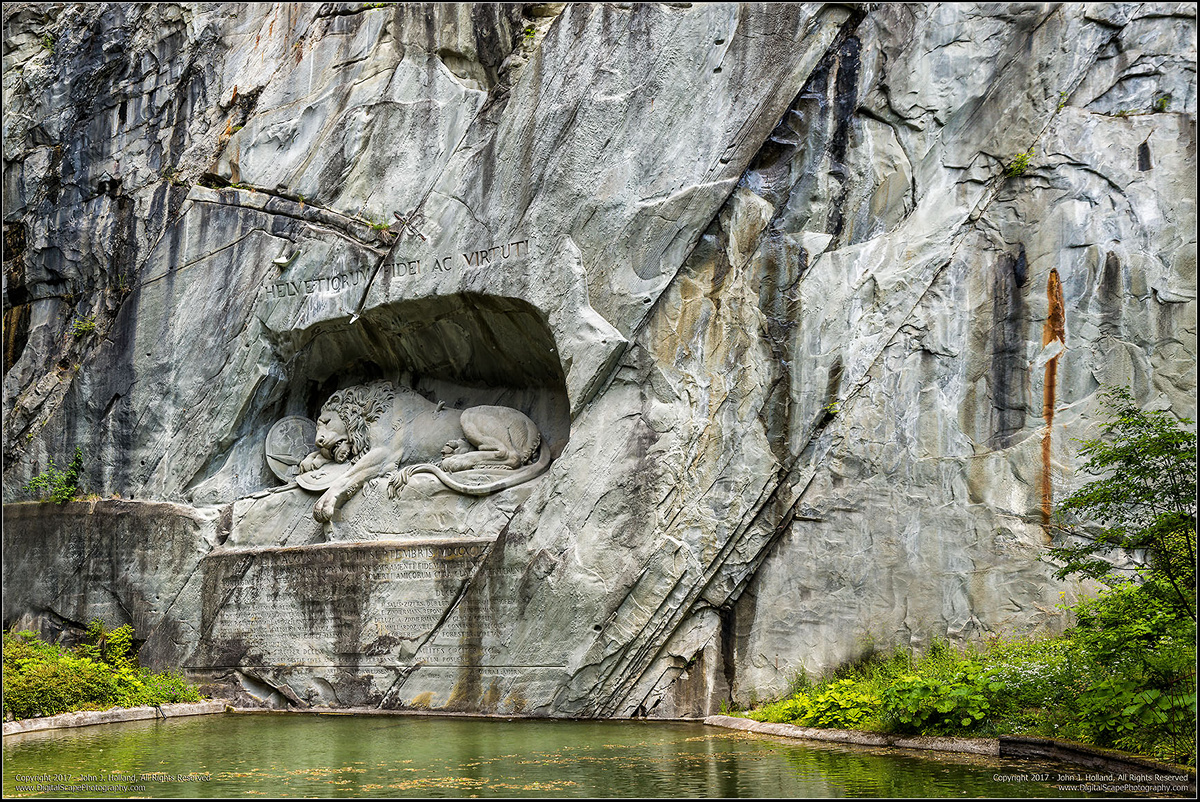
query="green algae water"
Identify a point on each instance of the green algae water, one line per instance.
(278, 755)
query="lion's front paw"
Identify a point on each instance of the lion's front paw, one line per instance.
(325, 507)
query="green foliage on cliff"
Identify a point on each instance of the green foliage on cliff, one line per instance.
(83, 326)
(1144, 505)
(939, 693)
(42, 679)
(59, 485)
(1019, 164)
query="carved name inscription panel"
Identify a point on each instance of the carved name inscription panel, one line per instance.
(472, 258)
(341, 282)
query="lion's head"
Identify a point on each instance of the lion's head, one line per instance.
(343, 429)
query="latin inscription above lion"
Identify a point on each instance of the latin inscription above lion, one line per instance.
(376, 430)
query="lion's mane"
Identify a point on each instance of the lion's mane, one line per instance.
(358, 407)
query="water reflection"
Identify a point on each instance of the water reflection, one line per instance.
(370, 756)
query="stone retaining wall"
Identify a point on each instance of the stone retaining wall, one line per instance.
(1009, 746)
(86, 718)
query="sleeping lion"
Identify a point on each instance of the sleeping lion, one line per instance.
(378, 429)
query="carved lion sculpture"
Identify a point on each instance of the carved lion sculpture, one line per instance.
(378, 428)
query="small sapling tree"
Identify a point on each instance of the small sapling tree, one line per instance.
(1145, 502)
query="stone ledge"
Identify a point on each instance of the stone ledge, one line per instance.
(361, 545)
(1093, 757)
(86, 718)
(977, 746)
(1016, 746)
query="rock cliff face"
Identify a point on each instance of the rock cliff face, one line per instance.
(807, 351)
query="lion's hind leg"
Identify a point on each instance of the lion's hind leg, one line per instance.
(501, 437)
(491, 453)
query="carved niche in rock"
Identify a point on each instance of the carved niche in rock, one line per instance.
(375, 430)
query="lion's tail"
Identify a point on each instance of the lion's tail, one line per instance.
(516, 477)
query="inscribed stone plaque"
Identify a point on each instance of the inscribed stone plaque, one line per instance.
(330, 604)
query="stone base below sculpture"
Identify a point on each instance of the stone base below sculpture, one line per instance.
(425, 508)
(387, 624)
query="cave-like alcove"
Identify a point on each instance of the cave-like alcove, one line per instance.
(462, 349)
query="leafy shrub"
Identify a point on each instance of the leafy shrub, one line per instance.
(1145, 500)
(843, 705)
(788, 711)
(1037, 674)
(115, 647)
(61, 485)
(1144, 699)
(1132, 629)
(1121, 712)
(923, 704)
(120, 647)
(1123, 677)
(42, 679)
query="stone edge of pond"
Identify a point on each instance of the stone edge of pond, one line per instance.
(86, 718)
(978, 746)
(1088, 756)
(1018, 746)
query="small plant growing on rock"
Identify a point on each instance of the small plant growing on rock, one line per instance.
(1162, 102)
(83, 326)
(1019, 165)
(61, 485)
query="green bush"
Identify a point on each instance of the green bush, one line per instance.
(1142, 694)
(83, 326)
(846, 704)
(1131, 629)
(42, 679)
(1144, 501)
(1037, 675)
(841, 704)
(60, 485)
(930, 705)
(787, 711)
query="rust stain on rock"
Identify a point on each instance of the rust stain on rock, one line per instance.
(1054, 329)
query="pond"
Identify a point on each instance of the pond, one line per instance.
(424, 756)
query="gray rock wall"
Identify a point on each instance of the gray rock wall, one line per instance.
(810, 365)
